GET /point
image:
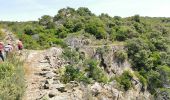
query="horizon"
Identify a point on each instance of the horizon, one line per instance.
(31, 10)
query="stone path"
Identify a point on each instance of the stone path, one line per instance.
(33, 80)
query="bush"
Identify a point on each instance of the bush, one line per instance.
(29, 43)
(96, 27)
(71, 56)
(140, 54)
(124, 32)
(82, 11)
(141, 79)
(78, 26)
(95, 72)
(162, 94)
(121, 56)
(164, 74)
(154, 81)
(1, 35)
(112, 34)
(12, 84)
(136, 18)
(125, 80)
(59, 42)
(74, 74)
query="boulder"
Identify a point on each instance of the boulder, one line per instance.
(96, 89)
(46, 69)
(61, 97)
(44, 61)
(46, 86)
(50, 75)
(53, 93)
(60, 87)
(43, 73)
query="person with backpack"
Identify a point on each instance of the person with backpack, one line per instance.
(20, 45)
(8, 48)
(1, 51)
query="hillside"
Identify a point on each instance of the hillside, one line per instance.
(12, 83)
(77, 55)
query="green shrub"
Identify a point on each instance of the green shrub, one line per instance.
(71, 56)
(162, 94)
(102, 50)
(59, 42)
(121, 55)
(112, 34)
(96, 27)
(139, 28)
(83, 11)
(1, 34)
(74, 74)
(164, 74)
(29, 43)
(125, 80)
(29, 30)
(141, 79)
(154, 81)
(136, 18)
(95, 72)
(78, 26)
(121, 34)
(12, 84)
(124, 32)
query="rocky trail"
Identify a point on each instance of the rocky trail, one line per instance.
(40, 74)
(39, 70)
(32, 68)
(31, 75)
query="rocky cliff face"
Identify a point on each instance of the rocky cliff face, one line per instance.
(107, 58)
(44, 82)
(103, 53)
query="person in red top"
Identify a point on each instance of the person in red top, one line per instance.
(1, 51)
(20, 45)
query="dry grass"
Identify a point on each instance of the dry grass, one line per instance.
(12, 79)
(2, 34)
(27, 69)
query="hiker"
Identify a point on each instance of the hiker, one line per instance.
(20, 45)
(1, 51)
(8, 48)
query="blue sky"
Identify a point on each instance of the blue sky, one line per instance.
(25, 10)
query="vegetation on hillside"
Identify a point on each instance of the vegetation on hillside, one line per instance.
(12, 83)
(85, 70)
(125, 80)
(146, 40)
(1, 34)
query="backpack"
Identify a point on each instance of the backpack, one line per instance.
(8, 48)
